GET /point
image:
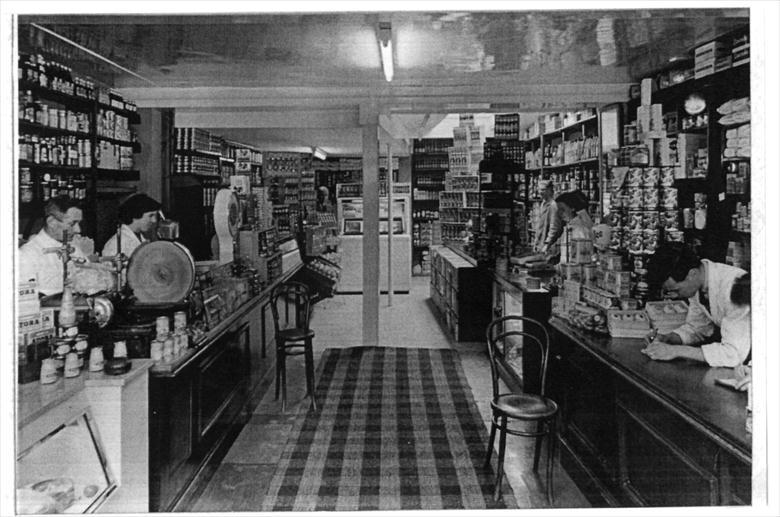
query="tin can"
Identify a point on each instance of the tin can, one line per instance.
(650, 198)
(179, 320)
(48, 371)
(635, 177)
(26, 193)
(163, 326)
(667, 176)
(651, 176)
(155, 350)
(649, 220)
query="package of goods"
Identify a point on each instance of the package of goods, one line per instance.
(599, 297)
(650, 240)
(617, 282)
(612, 262)
(643, 121)
(649, 219)
(572, 290)
(635, 177)
(666, 316)
(634, 240)
(628, 323)
(27, 299)
(647, 86)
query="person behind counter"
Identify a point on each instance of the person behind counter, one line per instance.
(573, 207)
(38, 259)
(740, 296)
(549, 224)
(708, 286)
(138, 215)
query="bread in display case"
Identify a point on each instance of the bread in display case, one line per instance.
(65, 471)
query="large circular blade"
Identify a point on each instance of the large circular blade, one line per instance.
(161, 272)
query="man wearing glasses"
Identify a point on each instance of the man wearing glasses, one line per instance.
(38, 258)
(707, 285)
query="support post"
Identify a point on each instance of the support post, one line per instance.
(369, 121)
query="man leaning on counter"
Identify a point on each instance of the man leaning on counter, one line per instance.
(707, 285)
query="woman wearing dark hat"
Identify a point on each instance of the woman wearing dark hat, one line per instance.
(138, 215)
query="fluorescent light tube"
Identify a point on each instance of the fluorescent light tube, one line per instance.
(386, 50)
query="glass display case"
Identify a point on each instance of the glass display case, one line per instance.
(65, 471)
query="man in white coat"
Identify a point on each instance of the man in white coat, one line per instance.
(38, 259)
(138, 215)
(707, 285)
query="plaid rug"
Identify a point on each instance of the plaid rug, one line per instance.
(395, 429)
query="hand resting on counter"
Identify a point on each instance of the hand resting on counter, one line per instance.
(659, 350)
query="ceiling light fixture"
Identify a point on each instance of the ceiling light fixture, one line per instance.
(385, 36)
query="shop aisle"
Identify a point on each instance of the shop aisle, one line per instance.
(241, 479)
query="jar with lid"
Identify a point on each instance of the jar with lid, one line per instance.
(26, 193)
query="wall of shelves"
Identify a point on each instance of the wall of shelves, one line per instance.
(75, 139)
(430, 165)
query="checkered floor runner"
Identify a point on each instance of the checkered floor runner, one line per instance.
(396, 428)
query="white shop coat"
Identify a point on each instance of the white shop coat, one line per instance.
(549, 225)
(733, 320)
(46, 268)
(130, 241)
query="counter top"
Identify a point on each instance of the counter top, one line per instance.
(170, 367)
(686, 386)
(35, 398)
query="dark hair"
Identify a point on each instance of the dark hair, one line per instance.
(57, 206)
(136, 206)
(575, 200)
(740, 290)
(671, 259)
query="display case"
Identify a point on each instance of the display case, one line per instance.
(64, 471)
(349, 210)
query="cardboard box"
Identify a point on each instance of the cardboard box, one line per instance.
(27, 298)
(642, 121)
(647, 87)
(657, 128)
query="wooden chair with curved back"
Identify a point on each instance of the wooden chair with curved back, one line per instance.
(293, 340)
(524, 409)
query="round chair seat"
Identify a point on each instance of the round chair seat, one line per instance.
(295, 334)
(525, 406)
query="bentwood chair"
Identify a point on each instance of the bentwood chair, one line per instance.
(295, 339)
(520, 413)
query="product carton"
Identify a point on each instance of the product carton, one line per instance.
(647, 87)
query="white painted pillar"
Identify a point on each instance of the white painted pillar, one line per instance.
(369, 121)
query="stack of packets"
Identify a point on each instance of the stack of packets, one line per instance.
(591, 292)
(736, 112)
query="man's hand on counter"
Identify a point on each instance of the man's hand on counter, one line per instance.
(660, 351)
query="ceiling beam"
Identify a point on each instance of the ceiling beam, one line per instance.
(261, 119)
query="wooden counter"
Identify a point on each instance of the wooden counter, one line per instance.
(201, 398)
(638, 432)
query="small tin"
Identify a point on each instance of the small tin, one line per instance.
(48, 371)
(179, 320)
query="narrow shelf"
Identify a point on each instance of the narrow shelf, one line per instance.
(197, 152)
(197, 175)
(126, 143)
(575, 124)
(430, 170)
(27, 126)
(432, 188)
(132, 116)
(59, 169)
(740, 234)
(118, 174)
(56, 96)
(571, 164)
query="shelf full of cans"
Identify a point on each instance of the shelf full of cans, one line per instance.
(64, 141)
(645, 209)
